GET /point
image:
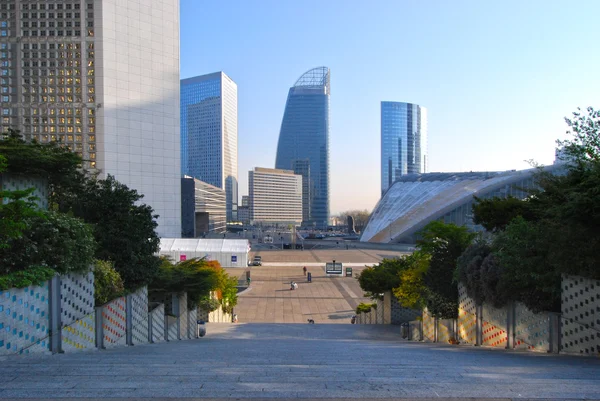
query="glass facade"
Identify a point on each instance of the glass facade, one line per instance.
(304, 142)
(209, 133)
(47, 72)
(403, 141)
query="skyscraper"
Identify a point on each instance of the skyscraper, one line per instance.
(101, 77)
(403, 141)
(209, 133)
(304, 142)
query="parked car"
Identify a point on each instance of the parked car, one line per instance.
(257, 261)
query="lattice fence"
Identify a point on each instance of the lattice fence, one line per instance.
(172, 328)
(414, 328)
(400, 314)
(445, 330)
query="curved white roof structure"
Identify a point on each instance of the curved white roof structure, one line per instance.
(414, 200)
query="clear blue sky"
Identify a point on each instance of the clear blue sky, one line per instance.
(497, 77)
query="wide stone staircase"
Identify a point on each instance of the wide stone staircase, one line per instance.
(299, 361)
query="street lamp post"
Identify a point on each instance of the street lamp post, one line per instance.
(390, 228)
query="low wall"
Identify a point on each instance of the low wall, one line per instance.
(156, 319)
(580, 328)
(24, 320)
(65, 306)
(78, 322)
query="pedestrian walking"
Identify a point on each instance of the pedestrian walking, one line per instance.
(304, 270)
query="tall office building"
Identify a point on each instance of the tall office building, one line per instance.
(275, 196)
(403, 141)
(209, 133)
(101, 77)
(304, 142)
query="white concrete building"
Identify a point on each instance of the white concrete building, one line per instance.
(102, 77)
(275, 196)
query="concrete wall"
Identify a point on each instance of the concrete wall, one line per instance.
(580, 328)
(138, 302)
(114, 323)
(24, 320)
(157, 324)
(78, 323)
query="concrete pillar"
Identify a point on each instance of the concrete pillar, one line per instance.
(55, 317)
(150, 336)
(436, 324)
(510, 325)
(128, 320)
(554, 331)
(166, 327)
(479, 325)
(176, 312)
(99, 328)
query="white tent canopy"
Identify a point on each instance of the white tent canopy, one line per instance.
(228, 252)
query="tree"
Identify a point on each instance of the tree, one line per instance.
(469, 269)
(411, 292)
(15, 208)
(123, 228)
(382, 277)
(496, 213)
(583, 150)
(527, 272)
(444, 243)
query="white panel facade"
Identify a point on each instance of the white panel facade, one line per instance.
(275, 196)
(137, 86)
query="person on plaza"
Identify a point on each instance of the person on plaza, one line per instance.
(304, 270)
(248, 280)
(235, 318)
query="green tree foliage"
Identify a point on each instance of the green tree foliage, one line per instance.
(444, 243)
(411, 292)
(60, 242)
(496, 213)
(527, 275)
(108, 284)
(469, 269)
(364, 308)
(199, 278)
(123, 228)
(583, 149)
(381, 277)
(33, 275)
(493, 285)
(15, 208)
(51, 161)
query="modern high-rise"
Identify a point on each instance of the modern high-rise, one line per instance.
(403, 141)
(304, 142)
(101, 77)
(275, 196)
(209, 133)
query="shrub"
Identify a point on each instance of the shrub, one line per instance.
(468, 269)
(108, 284)
(24, 278)
(51, 239)
(209, 304)
(364, 308)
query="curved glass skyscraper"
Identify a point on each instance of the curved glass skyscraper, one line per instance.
(403, 141)
(304, 142)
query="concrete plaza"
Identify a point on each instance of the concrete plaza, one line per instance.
(291, 361)
(325, 299)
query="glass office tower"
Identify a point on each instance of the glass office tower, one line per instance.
(403, 141)
(209, 133)
(304, 143)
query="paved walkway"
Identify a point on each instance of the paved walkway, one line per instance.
(269, 361)
(325, 299)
